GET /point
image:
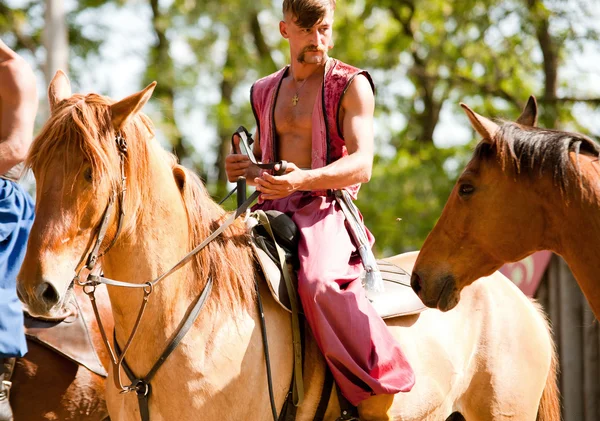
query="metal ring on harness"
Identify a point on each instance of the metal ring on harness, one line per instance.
(141, 388)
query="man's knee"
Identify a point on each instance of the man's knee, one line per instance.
(311, 287)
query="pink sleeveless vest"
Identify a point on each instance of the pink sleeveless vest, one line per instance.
(328, 143)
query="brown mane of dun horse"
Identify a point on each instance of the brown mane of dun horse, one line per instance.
(475, 360)
(525, 189)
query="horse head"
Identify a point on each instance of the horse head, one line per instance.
(484, 216)
(79, 169)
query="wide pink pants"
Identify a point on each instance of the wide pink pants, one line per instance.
(362, 354)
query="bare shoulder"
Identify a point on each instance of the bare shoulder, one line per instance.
(17, 79)
(359, 95)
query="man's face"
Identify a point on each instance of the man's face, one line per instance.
(309, 45)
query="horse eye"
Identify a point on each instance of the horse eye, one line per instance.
(87, 174)
(465, 189)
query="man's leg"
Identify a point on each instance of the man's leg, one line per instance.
(362, 354)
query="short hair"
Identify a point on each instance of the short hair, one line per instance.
(307, 13)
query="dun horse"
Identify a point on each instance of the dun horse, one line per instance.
(525, 189)
(490, 359)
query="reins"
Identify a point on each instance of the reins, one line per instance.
(142, 385)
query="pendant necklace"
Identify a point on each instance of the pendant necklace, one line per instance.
(296, 98)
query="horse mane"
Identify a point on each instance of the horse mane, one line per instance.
(534, 151)
(228, 258)
(81, 126)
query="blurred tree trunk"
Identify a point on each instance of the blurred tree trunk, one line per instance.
(224, 129)
(426, 118)
(161, 69)
(56, 43)
(56, 39)
(550, 51)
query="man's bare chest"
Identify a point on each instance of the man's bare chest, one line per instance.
(294, 107)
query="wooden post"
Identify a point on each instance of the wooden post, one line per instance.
(591, 366)
(571, 344)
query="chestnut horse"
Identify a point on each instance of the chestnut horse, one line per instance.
(48, 386)
(525, 189)
(490, 359)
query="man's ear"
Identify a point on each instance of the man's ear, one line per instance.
(283, 29)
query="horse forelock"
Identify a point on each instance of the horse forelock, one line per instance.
(227, 260)
(533, 151)
(80, 131)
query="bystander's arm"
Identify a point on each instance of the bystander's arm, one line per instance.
(19, 102)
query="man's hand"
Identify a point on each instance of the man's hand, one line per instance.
(280, 186)
(239, 165)
(236, 166)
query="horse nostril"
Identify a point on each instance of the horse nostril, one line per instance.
(415, 283)
(49, 294)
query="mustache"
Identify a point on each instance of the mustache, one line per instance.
(314, 49)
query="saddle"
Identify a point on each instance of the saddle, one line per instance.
(397, 300)
(67, 335)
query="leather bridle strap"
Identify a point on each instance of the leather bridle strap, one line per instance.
(99, 279)
(142, 386)
(95, 254)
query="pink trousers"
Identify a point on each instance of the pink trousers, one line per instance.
(362, 354)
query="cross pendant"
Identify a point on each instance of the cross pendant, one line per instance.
(295, 100)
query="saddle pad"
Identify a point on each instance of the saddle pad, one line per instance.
(69, 337)
(398, 298)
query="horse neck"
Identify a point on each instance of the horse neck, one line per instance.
(576, 219)
(155, 239)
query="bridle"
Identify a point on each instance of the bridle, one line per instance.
(140, 385)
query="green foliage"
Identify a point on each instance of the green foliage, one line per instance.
(406, 195)
(425, 57)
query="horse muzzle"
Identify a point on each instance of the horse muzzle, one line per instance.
(44, 299)
(440, 293)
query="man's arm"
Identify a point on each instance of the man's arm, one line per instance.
(358, 105)
(18, 102)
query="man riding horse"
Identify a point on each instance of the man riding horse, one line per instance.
(317, 114)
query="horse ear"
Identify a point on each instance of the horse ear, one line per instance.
(59, 89)
(127, 107)
(529, 115)
(484, 126)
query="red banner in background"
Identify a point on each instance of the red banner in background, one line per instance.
(527, 273)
